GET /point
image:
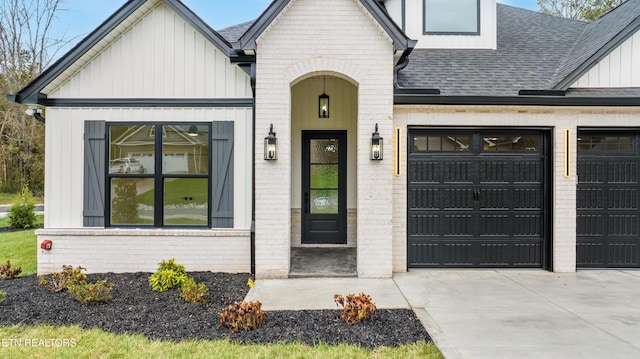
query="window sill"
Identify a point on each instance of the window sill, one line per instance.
(145, 232)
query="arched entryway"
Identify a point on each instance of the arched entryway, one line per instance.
(324, 114)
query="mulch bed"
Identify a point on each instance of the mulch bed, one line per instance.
(135, 308)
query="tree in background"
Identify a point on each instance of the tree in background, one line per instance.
(587, 10)
(26, 49)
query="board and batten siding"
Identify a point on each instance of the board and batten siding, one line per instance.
(618, 69)
(160, 56)
(64, 159)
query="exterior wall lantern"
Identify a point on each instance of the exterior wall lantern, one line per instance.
(271, 146)
(323, 102)
(193, 131)
(376, 145)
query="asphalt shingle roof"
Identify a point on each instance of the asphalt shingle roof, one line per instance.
(596, 36)
(530, 47)
(534, 52)
(235, 32)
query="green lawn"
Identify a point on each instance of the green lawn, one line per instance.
(20, 249)
(7, 198)
(94, 343)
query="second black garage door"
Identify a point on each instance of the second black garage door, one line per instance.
(478, 198)
(607, 199)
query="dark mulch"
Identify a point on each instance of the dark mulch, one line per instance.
(135, 308)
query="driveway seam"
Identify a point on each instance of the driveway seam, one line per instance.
(441, 341)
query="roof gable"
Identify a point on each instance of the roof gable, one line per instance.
(248, 41)
(598, 40)
(116, 24)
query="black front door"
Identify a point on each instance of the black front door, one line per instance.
(324, 187)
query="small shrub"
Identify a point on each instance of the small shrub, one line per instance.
(242, 315)
(2, 295)
(194, 293)
(86, 293)
(7, 273)
(21, 212)
(59, 281)
(355, 308)
(169, 275)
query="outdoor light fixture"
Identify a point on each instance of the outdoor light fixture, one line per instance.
(323, 102)
(271, 146)
(193, 131)
(376, 145)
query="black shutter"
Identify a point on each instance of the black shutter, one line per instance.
(222, 174)
(94, 176)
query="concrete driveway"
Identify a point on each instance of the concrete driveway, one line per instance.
(528, 314)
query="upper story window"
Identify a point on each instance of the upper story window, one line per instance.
(452, 17)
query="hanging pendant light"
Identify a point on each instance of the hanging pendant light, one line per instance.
(323, 102)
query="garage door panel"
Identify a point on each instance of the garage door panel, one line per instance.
(528, 172)
(528, 199)
(528, 225)
(623, 198)
(424, 198)
(623, 253)
(486, 206)
(608, 197)
(590, 198)
(424, 171)
(457, 198)
(622, 172)
(457, 172)
(591, 171)
(457, 225)
(623, 225)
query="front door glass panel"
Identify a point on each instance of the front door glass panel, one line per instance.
(324, 176)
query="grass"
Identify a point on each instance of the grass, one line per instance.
(95, 343)
(180, 191)
(7, 198)
(20, 249)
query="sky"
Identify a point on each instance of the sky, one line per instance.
(80, 17)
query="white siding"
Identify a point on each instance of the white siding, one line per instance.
(160, 56)
(621, 68)
(64, 157)
(414, 27)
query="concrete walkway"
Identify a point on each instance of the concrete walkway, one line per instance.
(494, 313)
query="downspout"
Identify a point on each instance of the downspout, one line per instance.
(253, 171)
(402, 63)
(36, 113)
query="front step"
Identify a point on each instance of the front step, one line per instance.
(323, 262)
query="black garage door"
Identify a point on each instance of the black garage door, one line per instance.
(607, 199)
(477, 198)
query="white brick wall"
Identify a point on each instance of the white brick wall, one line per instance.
(558, 119)
(310, 38)
(138, 250)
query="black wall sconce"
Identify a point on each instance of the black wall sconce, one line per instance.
(271, 146)
(376, 145)
(323, 102)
